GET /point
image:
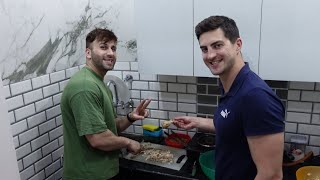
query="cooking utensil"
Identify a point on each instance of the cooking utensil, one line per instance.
(194, 169)
(308, 172)
(180, 139)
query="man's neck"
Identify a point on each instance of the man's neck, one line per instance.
(96, 70)
(228, 78)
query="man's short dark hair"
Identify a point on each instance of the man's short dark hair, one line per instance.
(227, 25)
(100, 34)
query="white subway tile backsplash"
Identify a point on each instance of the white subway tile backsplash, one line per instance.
(299, 106)
(167, 78)
(192, 89)
(52, 112)
(291, 127)
(311, 96)
(294, 95)
(169, 106)
(39, 142)
(47, 126)
(316, 108)
(317, 86)
(63, 84)
(164, 96)
(16, 141)
(124, 66)
(19, 127)
(20, 165)
(149, 95)
(11, 117)
(176, 114)
(52, 168)
(61, 141)
(71, 71)
(314, 140)
(301, 85)
(148, 77)
(28, 135)
(6, 91)
(24, 112)
(298, 117)
(151, 121)
(309, 129)
(36, 119)
(140, 85)
(49, 148)
(14, 102)
(56, 99)
(32, 96)
(55, 133)
(57, 154)
(187, 107)
(315, 119)
(157, 86)
(39, 176)
(181, 88)
(58, 76)
(153, 105)
(51, 90)
(187, 79)
(27, 173)
(40, 81)
(23, 151)
(159, 114)
(134, 66)
(59, 120)
(31, 158)
(44, 162)
(135, 94)
(20, 87)
(188, 98)
(138, 129)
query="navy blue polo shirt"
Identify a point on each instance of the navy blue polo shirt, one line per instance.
(250, 108)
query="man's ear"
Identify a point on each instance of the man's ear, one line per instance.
(238, 44)
(88, 53)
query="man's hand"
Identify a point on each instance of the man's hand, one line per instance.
(134, 147)
(140, 111)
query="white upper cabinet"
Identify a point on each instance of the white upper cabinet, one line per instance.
(247, 15)
(289, 40)
(165, 36)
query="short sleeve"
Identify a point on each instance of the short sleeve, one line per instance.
(88, 113)
(263, 113)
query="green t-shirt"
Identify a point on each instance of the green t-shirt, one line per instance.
(87, 108)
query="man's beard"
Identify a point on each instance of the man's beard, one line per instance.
(98, 63)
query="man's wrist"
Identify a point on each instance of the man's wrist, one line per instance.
(130, 119)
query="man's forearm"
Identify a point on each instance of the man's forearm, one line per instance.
(122, 123)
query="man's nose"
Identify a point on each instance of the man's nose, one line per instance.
(211, 54)
(110, 52)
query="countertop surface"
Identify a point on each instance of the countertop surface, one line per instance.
(157, 172)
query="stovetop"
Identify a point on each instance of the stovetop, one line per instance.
(200, 142)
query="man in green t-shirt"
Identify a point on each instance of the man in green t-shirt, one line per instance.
(90, 125)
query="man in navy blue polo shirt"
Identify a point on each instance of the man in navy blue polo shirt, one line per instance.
(249, 120)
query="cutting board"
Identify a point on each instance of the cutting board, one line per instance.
(175, 151)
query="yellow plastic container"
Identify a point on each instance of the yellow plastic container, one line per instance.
(308, 173)
(150, 127)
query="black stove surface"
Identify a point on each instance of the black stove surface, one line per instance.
(200, 142)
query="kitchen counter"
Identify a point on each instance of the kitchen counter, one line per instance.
(129, 168)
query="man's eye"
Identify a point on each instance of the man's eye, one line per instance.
(217, 46)
(204, 50)
(103, 47)
(114, 49)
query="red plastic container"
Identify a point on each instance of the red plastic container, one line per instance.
(173, 141)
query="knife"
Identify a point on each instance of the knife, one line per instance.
(194, 169)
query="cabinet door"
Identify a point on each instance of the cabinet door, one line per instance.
(165, 36)
(289, 39)
(247, 15)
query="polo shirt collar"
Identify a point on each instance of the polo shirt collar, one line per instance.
(237, 81)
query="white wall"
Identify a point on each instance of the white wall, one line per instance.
(8, 159)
